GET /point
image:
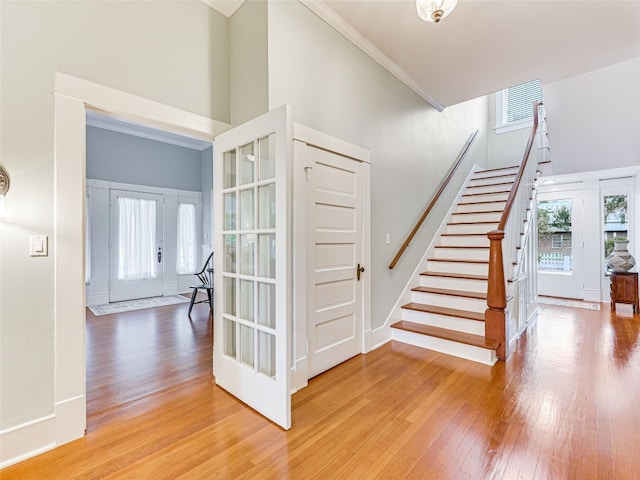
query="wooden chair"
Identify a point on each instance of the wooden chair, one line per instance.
(205, 276)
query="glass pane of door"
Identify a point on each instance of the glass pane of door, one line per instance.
(555, 249)
(616, 218)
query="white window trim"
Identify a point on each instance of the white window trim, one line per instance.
(501, 125)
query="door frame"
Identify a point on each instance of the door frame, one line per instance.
(302, 137)
(72, 97)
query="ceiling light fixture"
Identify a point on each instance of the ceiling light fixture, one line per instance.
(434, 10)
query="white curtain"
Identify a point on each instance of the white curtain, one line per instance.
(186, 258)
(137, 239)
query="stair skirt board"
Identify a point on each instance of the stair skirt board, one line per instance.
(461, 350)
(459, 324)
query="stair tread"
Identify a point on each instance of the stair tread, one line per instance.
(445, 334)
(453, 293)
(449, 312)
(490, 185)
(470, 247)
(493, 176)
(472, 223)
(485, 193)
(462, 234)
(480, 203)
(456, 260)
(478, 213)
(496, 169)
(465, 276)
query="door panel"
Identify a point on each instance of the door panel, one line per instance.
(560, 244)
(252, 343)
(335, 232)
(136, 241)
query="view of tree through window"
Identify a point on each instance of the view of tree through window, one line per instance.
(555, 252)
(615, 220)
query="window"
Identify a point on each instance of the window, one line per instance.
(560, 241)
(186, 251)
(514, 106)
(137, 239)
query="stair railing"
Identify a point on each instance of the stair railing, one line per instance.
(435, 198)
(507, 241)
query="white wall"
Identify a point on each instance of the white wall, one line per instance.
(334, 87)
(504, 149)
(594, 119)
(162, 51)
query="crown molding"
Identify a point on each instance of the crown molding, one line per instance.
(329, 15)
(225, 7)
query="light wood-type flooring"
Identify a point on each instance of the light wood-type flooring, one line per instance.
(566, 405)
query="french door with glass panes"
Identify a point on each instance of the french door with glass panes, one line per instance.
(252, 343)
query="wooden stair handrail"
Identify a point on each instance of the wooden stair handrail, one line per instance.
(523, 166)
(435, 198)
(495, 316)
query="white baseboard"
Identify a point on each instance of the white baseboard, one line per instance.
(299, 374)
(27, 440)
(101, 298)
(71, 419)
(592, 295)
(380, 336)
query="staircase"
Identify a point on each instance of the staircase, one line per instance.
(446, 312)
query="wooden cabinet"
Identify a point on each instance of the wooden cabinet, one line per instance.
(624, 289)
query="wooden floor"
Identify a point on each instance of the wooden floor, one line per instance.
(565, 406)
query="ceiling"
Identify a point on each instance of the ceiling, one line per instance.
(483, 46)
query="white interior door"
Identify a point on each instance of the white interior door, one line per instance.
(334, 218)
(560, 244)
(252, 338)
(136, 242)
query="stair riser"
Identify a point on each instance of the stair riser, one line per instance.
(450, 301)
(476, 217)
(485, 197)
(487, 189)
(472, 228)
(458, 324)
(481, 207)
(464, 284)
(491, 180)
(457, 267)
(462, 253)
(508, 171)
(476, 354)
(465, 241)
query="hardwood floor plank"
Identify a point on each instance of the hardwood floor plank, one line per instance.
(564, 406)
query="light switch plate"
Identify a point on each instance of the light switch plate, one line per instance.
(39, 245)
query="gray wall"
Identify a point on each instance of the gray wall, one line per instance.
(248, 62)
(157, 50)
(206, 184)
(117, 157)
(333, 86)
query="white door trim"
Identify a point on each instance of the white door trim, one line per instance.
(71, 98)
(302, 137)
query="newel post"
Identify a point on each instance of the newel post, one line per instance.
(495, 319)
